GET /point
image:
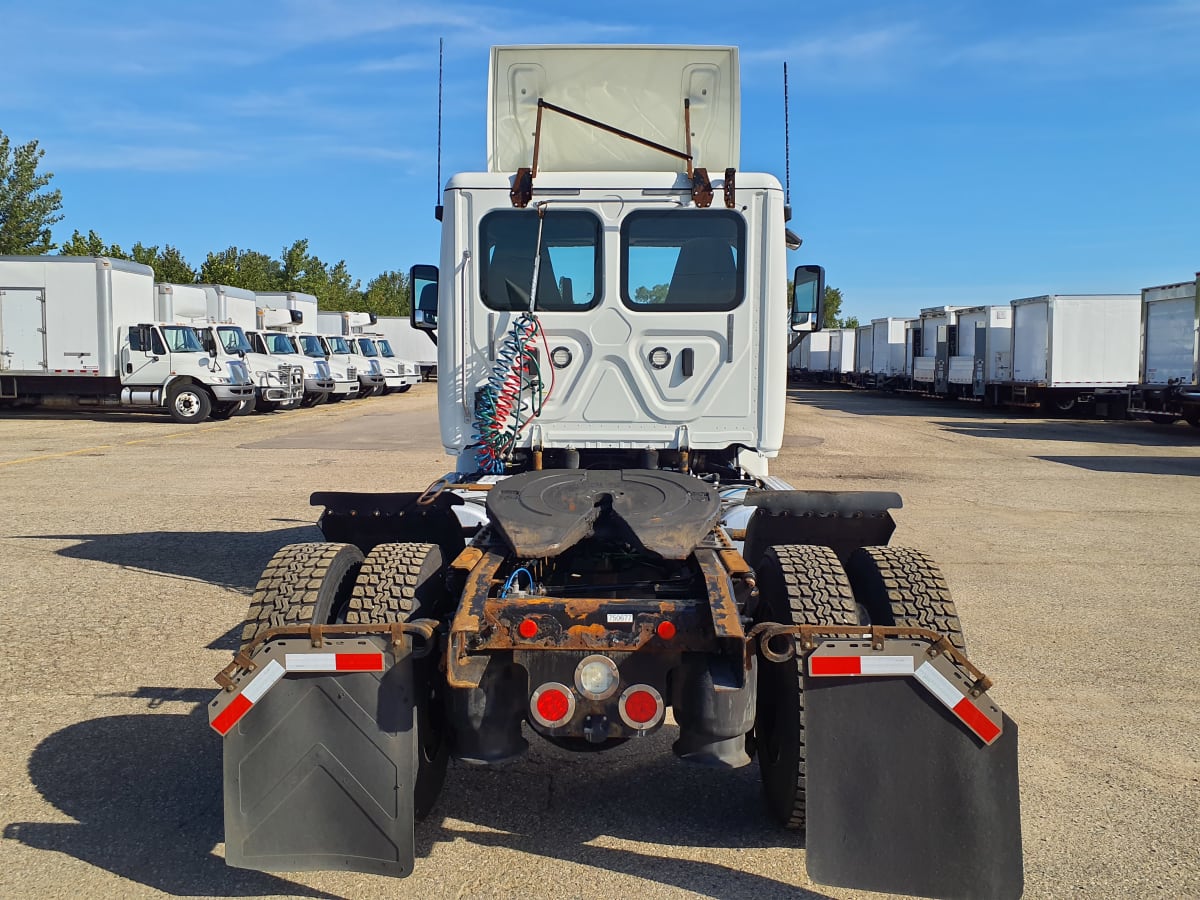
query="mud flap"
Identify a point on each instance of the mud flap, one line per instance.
(320, 758)
(903, 798)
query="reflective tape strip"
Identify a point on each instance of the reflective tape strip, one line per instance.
(334, 662)
(961, 706)
(860, 665)
(251, 694)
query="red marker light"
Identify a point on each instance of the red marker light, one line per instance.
(641, 706)
(666, 630)
(553, 705)
(527, 629)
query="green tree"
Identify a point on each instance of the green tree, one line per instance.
(247, 269)
(168, 264)
(27, 208)
(850, 322)
(388, 294)
(833, 308)
(79, 245)
(656, 294)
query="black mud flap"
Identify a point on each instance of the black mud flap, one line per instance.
(319, 759)
(902, 798)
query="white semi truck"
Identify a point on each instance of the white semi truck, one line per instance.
(1168, 387)
(83, 331)
(613, 440)
(278, 332)
(208, 310)
(361, 332)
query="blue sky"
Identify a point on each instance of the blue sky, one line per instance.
(953, 152)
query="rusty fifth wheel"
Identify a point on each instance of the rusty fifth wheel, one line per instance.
(800, 585)
(303, 584)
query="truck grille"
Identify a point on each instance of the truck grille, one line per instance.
(351, 372)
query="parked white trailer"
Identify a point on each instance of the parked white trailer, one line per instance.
(841, 353)
(410, 343)
(814, 354)
(212, 314)
(1168, 387)
(1068, 348)
(981, 352)
(931, 343)
(864, 349)
(83, 331)
(888, 352)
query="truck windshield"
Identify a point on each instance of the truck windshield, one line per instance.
(683, 260)
(233, 339)
(569, 276)
(312, 346)
(338, 344)
(278, 343)
(182, 339)
(385, 349)
(366, 347)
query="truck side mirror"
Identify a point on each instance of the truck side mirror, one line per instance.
(423, 281)
(208, 342)
(808, 298)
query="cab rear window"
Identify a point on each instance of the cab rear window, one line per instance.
(569, 274)
(683, 260)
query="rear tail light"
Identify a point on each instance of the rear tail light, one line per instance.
(552, 704)
(641, 707)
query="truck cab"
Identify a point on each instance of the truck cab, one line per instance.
(398, 375)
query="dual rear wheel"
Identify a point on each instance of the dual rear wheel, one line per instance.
(807, 585)
(330, 583)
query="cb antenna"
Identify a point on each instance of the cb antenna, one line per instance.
(437, 208)
(787, 152)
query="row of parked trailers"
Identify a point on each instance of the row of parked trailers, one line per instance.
(1113, 354)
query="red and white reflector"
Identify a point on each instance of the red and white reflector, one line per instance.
(850, 659)
(293, 663)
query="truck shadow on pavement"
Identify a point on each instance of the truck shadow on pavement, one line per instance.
(230, 559)
(145, 791)
(1134, 465)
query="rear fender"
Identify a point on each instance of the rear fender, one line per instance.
(367, 520)
(841, 520)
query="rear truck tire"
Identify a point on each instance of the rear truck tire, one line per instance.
(222, 411)
(800, 585)
(905, 587)
(303, 584)
(398, 582)
(1064, 404)
(188, 404)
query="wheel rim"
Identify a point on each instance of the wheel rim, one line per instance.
(187, 403)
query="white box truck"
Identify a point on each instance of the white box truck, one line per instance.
(361, 330)
(83, 331)
(278, 333)
(888, 352)
(210, 312)
(981, 352)
(1068, 349)
(411, 344)
(1168, 387)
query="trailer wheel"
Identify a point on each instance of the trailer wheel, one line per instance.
(800, 585)
(188, 403)
(303, 584)
(398, 582)
(905, 587)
